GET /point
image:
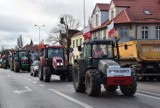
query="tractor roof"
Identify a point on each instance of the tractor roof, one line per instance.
(99, 42)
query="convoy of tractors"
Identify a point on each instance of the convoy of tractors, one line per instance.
(109, 63)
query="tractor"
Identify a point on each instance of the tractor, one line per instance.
(21, 60)
(11, 61)
(99, 65)
(53, 62)
(5, 62)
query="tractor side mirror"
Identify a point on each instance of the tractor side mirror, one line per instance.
(79, 48)
(125, 46)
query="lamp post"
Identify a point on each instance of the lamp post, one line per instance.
(39, 27)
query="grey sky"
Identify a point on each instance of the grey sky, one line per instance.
(19, 17)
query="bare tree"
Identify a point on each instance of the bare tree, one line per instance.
(19, 42)
(63, 32)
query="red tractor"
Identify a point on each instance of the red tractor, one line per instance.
(53, 62)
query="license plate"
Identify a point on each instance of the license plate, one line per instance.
(118, 76)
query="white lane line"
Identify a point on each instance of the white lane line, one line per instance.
(41, 85)
(34, 82)
(29, 79)
(148, 93)
(70, 85)
(149, 96)
(71, 99)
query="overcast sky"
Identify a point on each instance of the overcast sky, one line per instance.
(19, 17)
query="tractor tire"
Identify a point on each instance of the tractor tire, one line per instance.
(93, 82)
(34, 74)
(62, 77)
(69, 77)
(78, 81)
(46, 74)
(110, 88)
(16, 67)
(31, 74)
(40, 74)
(130, 90)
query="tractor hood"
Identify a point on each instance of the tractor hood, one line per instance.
(104, 64)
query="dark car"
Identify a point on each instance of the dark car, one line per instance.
(35, 68)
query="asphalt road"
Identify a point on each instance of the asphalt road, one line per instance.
(20, 90)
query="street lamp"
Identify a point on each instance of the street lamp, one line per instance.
(39, 27)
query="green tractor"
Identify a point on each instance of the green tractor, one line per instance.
(21, 60)
(98, 65)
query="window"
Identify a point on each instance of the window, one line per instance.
(124, 33)
(112, 14)
(144, 32)
(97, 20)
(104, 34)
(76, 42)
(73, 44)
(147, 12)
(158, 32)
(80, 41)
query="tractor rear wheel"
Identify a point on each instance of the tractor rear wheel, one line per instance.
(46, 74)
(110, 88)
(130, 90)
(93, 83)
(16, 67)
(78, 80)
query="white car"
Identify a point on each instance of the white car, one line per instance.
(35, 68)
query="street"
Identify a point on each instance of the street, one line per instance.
(20, 90)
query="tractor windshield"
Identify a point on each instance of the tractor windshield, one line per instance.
(102, 51)
(23, 55)
(55, 52)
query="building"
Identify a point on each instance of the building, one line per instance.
(133, 19)
(76, 40)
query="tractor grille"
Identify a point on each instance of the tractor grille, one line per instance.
(59, 60)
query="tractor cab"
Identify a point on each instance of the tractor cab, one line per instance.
(96, 50)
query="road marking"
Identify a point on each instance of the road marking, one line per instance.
(34, 82)
(149, 96)
(41, 85)
(5, 76)
(27, 89)
(70, 85)
(29, 79)
(70, 98)
(148, 93)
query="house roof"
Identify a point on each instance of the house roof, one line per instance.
(77, 34)
(103, 6)
(123, 3)
(136, 14)
(31, 47)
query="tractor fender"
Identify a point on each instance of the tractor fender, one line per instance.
(41, 59)
(104, 64)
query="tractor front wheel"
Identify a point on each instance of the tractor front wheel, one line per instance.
(40, 74)
(93, 82)
(46, 74)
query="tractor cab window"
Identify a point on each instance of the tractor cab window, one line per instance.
(23, 55)
(87, 51)
(102, 51)
(52, 52)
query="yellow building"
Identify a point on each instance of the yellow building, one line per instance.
(76, 40)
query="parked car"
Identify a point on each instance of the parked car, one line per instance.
(0, 63)
(35, 68)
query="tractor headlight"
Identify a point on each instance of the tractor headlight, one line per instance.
(61, 64)
(58, 64)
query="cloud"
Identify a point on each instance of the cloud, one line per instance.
(19, 17)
